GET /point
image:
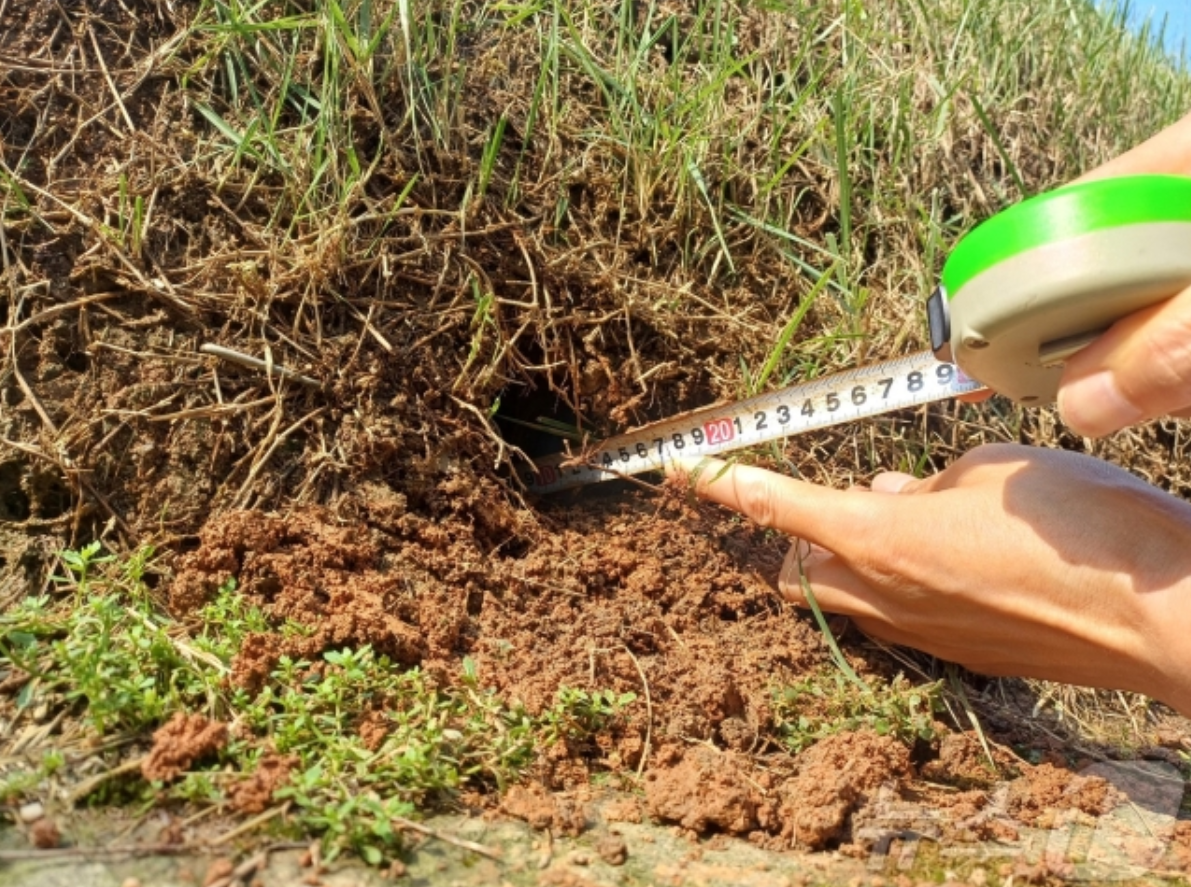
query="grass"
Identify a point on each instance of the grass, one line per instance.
(827, 703)
(103, 651)
(930, 124)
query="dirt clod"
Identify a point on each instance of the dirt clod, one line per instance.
(183, 740)
(305, 568)
(612, 849)
(1043, 791)
(219, 870)
(1180, 846)
(254, 793)
(705, 790)
(44, 834)
(835, 777)
(622, 810)
(544, 810)
(962, 762)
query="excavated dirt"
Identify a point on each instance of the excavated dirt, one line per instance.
(1049, 790)
(543, 809)
(377, 505)
(835, 778)
(180, 742)
(676, 607)
(963, 762)
(254, 793)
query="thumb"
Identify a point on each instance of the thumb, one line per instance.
(1138, 370)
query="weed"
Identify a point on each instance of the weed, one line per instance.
(106, 653)
(579, 713)
(828, 703)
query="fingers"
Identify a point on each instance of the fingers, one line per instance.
(826, 517)
(894, 482)
(1167, 152)
(1139, 369)
(835, 587)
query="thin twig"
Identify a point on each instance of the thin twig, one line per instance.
(53, 310)
(87, 786)
(648, 711)
(256, 363)
(249, 825)
(74, 852)
(213, 411)
(241, 872)
(111, 83)
(161, 849)
(447, 838)
(501, 446)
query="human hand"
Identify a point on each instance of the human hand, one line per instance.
(1013, 561)
(1141, 367)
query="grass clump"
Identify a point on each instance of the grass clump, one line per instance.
(828, 703)
(363, 739)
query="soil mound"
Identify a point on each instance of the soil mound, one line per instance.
(611, 596)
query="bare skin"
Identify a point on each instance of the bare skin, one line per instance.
(1016, 560)
(1012, 561)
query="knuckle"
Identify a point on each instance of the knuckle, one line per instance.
(760, 501)
(1170, 359)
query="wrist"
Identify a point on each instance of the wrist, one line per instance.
(1172, 651)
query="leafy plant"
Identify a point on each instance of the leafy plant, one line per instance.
(829, 703)
(579, 713)
(111, 658)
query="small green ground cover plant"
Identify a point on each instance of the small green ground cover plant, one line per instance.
(828, 702)
(102, 653)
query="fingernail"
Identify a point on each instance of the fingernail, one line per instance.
(1094, 406)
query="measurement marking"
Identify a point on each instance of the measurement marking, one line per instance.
(820, 403)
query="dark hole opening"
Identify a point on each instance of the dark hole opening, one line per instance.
(14, 501)
(53, 497)
(527, 420)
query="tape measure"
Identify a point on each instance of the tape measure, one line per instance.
(1019, 294)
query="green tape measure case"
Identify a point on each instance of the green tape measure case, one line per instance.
(1035, 283)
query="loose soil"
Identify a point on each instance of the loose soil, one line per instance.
(183, 740)
(380, 505)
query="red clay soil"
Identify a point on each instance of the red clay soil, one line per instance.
(677, 608)
(963, 762)
(544, 809)
(628, 592)
(1050, 790)
(1181, 846)
(254, 793)
(181, 741)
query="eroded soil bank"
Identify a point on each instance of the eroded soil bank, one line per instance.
(422, 292)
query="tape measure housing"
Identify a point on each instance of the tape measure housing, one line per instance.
(1045, 277)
